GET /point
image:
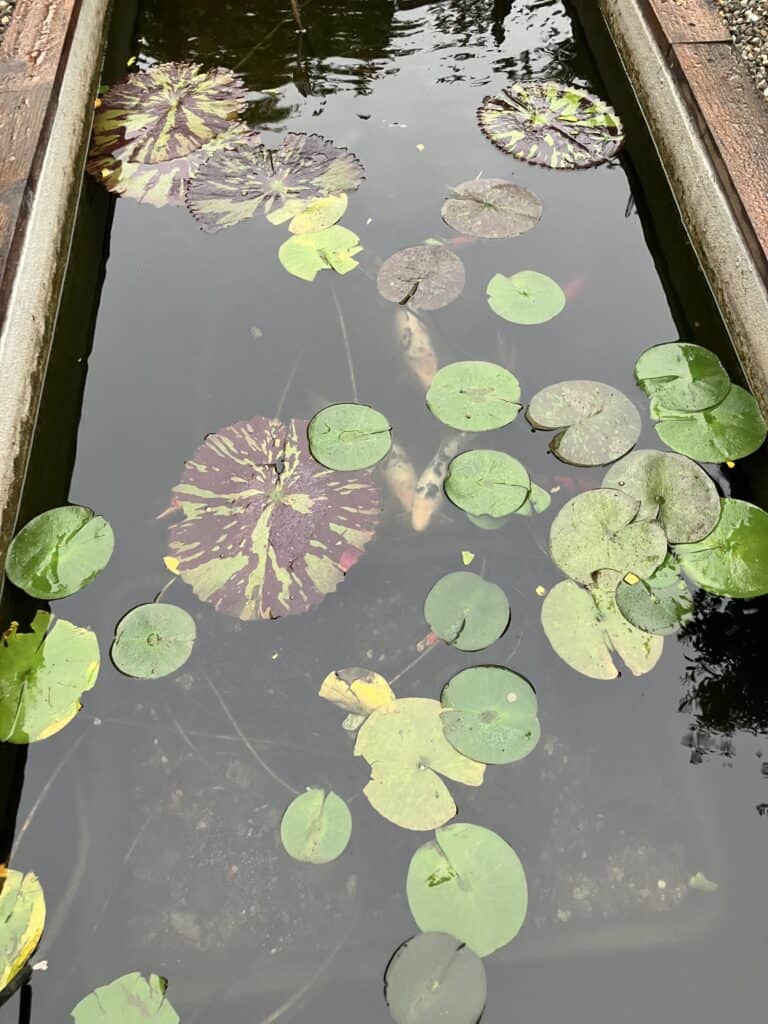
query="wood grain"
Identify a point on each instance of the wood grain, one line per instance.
(689, 21)
(32, 57)
(734, 123)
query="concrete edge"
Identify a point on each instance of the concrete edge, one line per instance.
(695, 181)
(33, 303)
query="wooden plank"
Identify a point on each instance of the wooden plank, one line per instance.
(689, 21)
(733, 121)
(32, 57)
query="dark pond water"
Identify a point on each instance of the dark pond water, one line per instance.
(157, 839)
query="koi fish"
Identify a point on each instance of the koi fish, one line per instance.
(400, 476)
(419, 355)
(429, 489)
(574, 288)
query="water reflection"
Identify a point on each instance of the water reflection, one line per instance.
(349, 45)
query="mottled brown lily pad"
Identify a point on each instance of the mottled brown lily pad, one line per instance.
(265, 530)
(491, 208)
(422, 277)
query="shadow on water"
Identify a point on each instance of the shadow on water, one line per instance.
(157, 841)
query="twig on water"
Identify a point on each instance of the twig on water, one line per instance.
(345, 338)
(247, 743)
(296, 11)
(412, 664)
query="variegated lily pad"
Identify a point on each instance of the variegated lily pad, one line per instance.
(422, 277)
(167, 112)
(551, 124)
(158, 184)
(245, 179)
(266, 531)
(491, 208)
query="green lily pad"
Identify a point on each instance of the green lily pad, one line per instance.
(661, 604)
(733, 560)
(469, 883)
(467, 611)
(59, 552)
(491, 208)
(131, 999)
(552, 124)
(538, 501)
(526, 297)
(474, 396)
(305, 255)
(670, 488)
(434, 977)
(487, 483)
(731, 430)
(682, 376)
(153, 640)
(422, 277)
(586, 629)
(349, 436)
(490, 522)
(316, 827)
(318, 214)
(601, 424)
(43, 675)
(600, 530)
(490, 714)
(22, 919)
(405, 746)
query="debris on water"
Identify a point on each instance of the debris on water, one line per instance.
(701, 882)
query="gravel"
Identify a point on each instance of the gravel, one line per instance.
(748, 24)
(6, 10)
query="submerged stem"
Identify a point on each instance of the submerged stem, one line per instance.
(345, 338)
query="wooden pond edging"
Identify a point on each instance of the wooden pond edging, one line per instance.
(50, 62)
(710, 127)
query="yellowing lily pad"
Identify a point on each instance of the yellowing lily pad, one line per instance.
(405, 746)
(131, 999)
(357, 691)
(43, 675)
(305, 255)
(319, 214)
(22, 919)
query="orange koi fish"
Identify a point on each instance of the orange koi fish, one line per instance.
(419, 355)
(429, 489)
(400, 476)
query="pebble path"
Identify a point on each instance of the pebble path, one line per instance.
(748, 24)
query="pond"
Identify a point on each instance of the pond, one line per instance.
(153, 820)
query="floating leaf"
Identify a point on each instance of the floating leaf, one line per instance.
(491, 208)
(682, 376)
(349, 436)
(434, 977)
(127, 1000)
(405, 746)
(600, 530)
(526, 297)
(316, 827)
(491, 522)
(158, 184)
(660, 605)
(423, 276)
(487, 483)
(551, 124)
(670, 488)
(59, 552)
(266, 531)
(305, 256)
(242, 180)
(490, 714)
(474, 396)
(153, 640)
(467, 611)
(22, 919)
(731, 430)
(319, 214)
(357, 691)
(167, 112)
(586, 629)
(467, 557)
(469, 883)
(733, 559)
(538, 501)
(601, 424)
(43, 675)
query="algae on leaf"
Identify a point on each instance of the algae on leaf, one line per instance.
(491, 208)
(43, 675)
(421, 277)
